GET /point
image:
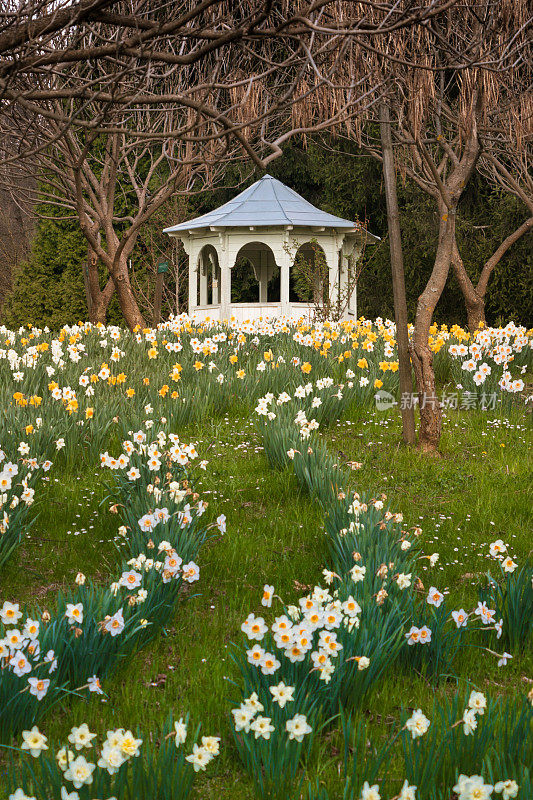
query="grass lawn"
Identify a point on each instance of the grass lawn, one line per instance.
(478, 491)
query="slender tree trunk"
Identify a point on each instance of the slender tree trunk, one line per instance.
(101, 303)
(86, 267)
(126, 297)
(496, 257)
(98, 299)
(475, 295)
(398, 277)
(422, 356)
(475, 303)
(115, 257)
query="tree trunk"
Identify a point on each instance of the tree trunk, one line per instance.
(475, 295)
(475, 302)
(98, 299)
(475, 314)
(126, 297)
(86, 267)
(100, 304)
(422, 356)
(398, 278)
(115, 258)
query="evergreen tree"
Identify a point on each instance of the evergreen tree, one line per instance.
(48, 289)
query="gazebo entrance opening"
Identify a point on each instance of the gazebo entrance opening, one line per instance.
(254, 274)
(208, 284)
(310, 274)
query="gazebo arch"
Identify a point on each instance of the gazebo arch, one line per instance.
(263, 261)
(307, 250)
(208, 270)
(267, 222)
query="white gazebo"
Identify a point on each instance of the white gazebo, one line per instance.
(268, 224)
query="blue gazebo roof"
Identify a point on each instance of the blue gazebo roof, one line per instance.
(268, 202)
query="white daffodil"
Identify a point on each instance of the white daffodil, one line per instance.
(199, 758)
(211, 744)
(180, 729)
(64, 757)
(74, 613)
(407, 792)
(472, 788)
(111, 758)
(242, 718)
(469, 721)
(298, 727)
(18, 794)
(262, 727)
(115, 624)
(478, 702)
(254, 627)
(34, 741)
(39, 687)
(10, 613)
(370, 792)
(508, 789)
(81, 737)
(282, 694)
(80, 772)
(417, 724)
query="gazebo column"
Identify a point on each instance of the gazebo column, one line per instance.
(263, 271)
(203, 280)
(214, 281)
(192, 252)
(285, 271)
(343, 280)
(350, 252)
(332, 260)
(352, 304)
(263, 284)
(225, 289)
